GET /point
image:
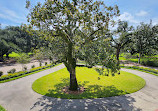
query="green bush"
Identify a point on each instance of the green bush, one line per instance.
(127, 56)
(25, 68)
(45, 63)
(21, 73)
(150, 63)
(1, 73)
(36, 68)
(12, 71)
(40, 64)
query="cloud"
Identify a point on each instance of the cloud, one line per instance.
(142, 13)
(11, 15)
(155, 21)
(4, 25)
(128, 17)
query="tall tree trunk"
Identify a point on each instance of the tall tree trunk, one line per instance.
(118, 52)
(139, 57)
(70, 64)
(7, 55)
(73, 80)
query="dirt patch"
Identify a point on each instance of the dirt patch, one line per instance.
(79, 91)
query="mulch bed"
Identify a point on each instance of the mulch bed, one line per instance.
(67, 91)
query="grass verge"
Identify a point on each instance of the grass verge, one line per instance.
(106, 86)
(147, 70)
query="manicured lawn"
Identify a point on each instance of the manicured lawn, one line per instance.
(52, 84)
(2, 109)
(14, 54)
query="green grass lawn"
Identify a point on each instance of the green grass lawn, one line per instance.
(52, 84)
(2, 109)
(14, 54)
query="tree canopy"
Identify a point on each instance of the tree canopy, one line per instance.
(121, 36)
(71, 26)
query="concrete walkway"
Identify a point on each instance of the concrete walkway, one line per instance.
(18, 96)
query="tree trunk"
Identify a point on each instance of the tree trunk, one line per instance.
(73, 80)
(1, 58)
(139, 57)
(118, 52)
(70, 64)
(7, 55)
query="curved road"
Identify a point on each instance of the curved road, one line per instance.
(18, 95)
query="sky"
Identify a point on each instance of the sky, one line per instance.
(13, 12)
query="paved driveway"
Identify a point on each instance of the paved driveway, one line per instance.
(18, 96)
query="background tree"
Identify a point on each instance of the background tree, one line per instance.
(23, 58)
(39, 55)
(144, 39)
(7, 43)
(19, 39)
(62, 21)
(121, 37)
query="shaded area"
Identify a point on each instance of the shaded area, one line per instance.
(91, 91)
(118, 103)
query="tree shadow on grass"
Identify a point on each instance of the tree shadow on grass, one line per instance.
(116, 103)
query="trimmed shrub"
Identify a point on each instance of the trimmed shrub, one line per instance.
(45, 63)
(12, 71)
(1, 73)
(33, 66)
(21, 73)
(150, 63)
(25, 68)
(40, 64)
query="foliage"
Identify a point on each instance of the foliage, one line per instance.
(150, 63)
(52, 84)
(144, 40)
(39, 55)
(23, 59)
(121, 37)
(2, 109)
(7, 42)
(18, 39)
(12, 71)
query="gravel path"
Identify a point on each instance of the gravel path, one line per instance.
(5, 68)
(18, 96)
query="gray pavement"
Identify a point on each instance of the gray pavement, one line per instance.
(18, 95)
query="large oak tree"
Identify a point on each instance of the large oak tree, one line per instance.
(72, 26)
